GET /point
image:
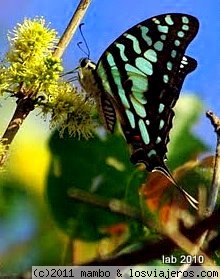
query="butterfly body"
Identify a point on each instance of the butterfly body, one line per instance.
(139, 78)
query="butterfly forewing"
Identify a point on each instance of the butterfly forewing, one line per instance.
(141, 74)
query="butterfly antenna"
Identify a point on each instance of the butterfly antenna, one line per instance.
(188, 197)
(79, 46)
(87, 52)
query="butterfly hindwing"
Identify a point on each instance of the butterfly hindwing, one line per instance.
(142, 72)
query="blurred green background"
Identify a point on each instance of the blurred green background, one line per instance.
(40, 224)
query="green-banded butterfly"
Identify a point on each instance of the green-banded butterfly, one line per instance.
(139, 78)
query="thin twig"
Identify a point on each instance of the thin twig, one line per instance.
(71, 28)
(113, 205)
(152, 251)
(126, 210)
(213, 193)
(216, 175)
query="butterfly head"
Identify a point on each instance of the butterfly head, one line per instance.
(86, 63)
(86, 75)
(86, 67)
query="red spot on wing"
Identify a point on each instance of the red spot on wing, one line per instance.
(136, 138)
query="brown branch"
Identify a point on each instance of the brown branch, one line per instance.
(71, 28)
(121, 208)
(216, 175)
(25, 105)
(113, 205)
(207, 210)
(23, 108)
(152, 251)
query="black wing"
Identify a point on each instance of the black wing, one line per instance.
(141, 73)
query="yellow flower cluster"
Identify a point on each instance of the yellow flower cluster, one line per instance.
(30, 58)
(31, 70)
(72, 112)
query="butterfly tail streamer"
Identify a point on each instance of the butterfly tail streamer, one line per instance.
(192, 201)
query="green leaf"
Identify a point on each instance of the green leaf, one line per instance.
(184, 145)
(98, 166)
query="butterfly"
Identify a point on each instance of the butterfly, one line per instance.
(138, 79)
